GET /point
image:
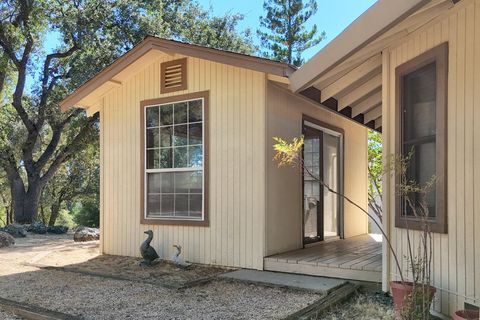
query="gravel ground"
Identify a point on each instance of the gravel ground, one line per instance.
(101, 298)
(7, 316)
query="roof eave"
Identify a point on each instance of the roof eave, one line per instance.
(371, 24)
(164, 45)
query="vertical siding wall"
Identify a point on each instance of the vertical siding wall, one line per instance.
(456, 269)
(235, 236)
(284, 185)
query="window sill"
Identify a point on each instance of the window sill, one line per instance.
(436, 226)
(174, 222)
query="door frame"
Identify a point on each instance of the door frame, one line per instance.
(329, 129)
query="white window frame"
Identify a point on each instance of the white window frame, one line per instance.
(146, 171)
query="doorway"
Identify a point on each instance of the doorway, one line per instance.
(322, 209)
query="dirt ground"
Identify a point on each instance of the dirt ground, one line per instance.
(87, 284)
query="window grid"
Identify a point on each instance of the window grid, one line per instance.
(173, 168)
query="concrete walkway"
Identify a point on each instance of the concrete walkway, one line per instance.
(295, 281)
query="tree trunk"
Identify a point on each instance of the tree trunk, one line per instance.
(54, 213)
(25, 203)
(9, 211)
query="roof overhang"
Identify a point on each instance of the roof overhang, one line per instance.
(347, 75)
(110, 76)
(372, 23)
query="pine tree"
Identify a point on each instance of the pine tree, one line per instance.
(286, 37)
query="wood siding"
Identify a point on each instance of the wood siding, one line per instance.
(284, 185)
(456, 257)
(235, 235)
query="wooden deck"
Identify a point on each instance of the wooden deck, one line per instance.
(357, 258)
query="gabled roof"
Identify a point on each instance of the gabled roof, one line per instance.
(151, 43)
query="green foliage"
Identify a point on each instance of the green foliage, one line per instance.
(375, 166)
(78, 179)
(88, 215)
(375, 172)
(284, 34)
(3, 217)
(197, 25)
(66, 218)
(288, 153)
(39, 143)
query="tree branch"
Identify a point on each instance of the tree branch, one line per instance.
(56, 135)
(68, 150)
(48, 87)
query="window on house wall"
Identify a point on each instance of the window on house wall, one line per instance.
(421, 135)
(174, 159)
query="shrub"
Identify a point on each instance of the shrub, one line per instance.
(88, 215)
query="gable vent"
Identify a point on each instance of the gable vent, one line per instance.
(174, 75)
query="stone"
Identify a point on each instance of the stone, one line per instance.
(37, 227)
(6, 240)
(83, 234)
(16, 230)
(57, 229)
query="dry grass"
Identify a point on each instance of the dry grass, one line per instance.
(365, 306)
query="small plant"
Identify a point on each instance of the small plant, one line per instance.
(417, 294)
(291, 154)
(414, 203)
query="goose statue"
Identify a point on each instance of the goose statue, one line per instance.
(148, 252)
(178, 259)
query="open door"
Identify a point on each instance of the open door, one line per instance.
(322, 209)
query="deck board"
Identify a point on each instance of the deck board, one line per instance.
(358, 258)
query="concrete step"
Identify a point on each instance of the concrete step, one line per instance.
(288, 280)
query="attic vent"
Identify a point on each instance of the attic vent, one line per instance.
(174, 75)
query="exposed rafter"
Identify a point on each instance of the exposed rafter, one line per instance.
(367, 104)
(373, 114)
(364, 71)
(378, 122)
(357, 94)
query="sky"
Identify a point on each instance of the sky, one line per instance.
(332, 17)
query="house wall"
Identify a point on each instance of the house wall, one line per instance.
(235, 236)
(284, 185)
(456, 256)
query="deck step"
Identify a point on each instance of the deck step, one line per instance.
(322, 271)
(320, 285)
(335, 297)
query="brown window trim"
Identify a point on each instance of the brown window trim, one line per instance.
(206, 103)
(439, 55)
(183, 63)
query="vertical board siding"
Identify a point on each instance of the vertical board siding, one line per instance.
(237, 161)
(456, 255)
(284, 184)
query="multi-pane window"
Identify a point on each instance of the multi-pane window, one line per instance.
(174, 154)
(419, 130)
(421, 104)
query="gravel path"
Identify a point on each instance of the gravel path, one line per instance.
(7, 316)
(100, 298)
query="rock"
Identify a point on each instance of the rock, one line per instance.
(6, 240)
(57, 229)
(37, 227)
(16, 230)
(86, 234)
